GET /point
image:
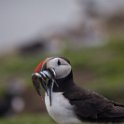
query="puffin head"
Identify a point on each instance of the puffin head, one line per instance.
(51, 72)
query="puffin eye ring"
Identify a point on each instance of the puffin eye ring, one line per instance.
(58, 62)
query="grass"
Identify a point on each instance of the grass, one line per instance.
(27, 119)
(105, 63)
(17, 66)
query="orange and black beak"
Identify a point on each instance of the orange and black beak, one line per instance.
(36, 78)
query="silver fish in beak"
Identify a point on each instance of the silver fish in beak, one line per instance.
(42, 78)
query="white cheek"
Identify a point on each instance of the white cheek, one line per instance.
(52, 63)
(62, 71)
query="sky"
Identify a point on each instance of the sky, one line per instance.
(21, 20)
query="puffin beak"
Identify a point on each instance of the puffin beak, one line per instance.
(37, 78)
(41, 78)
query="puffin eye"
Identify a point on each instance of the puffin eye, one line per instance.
(59, 63)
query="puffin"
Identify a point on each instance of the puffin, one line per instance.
(66, 102)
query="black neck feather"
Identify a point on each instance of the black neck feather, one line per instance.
(64, 84)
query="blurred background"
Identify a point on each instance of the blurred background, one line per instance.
(90, 33)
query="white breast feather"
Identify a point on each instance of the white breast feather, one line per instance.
(61, 110)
